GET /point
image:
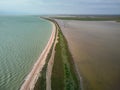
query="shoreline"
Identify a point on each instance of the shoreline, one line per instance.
(51, 61)
(34, 74)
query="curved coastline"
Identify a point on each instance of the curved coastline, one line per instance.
(34, 74)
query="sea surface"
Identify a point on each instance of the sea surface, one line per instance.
(22, 39)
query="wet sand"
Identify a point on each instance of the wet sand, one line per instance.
(35, 72)
(95, 46)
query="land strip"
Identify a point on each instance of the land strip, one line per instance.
(64, 75)
(89, 18)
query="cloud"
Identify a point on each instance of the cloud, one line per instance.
(60, 6)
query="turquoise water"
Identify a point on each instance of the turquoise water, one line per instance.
(22, 39)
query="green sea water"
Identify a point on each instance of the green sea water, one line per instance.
(22, 39)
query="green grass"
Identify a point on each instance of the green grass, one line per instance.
(64, 76)
(57, 72)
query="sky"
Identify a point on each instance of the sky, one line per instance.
(42, 7)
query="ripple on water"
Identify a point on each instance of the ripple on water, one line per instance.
(22, 39)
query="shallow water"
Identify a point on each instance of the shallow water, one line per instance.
(22, 39)
(95, 46)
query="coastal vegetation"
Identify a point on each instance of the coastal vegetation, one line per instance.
(64, 76)
(90, 18)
